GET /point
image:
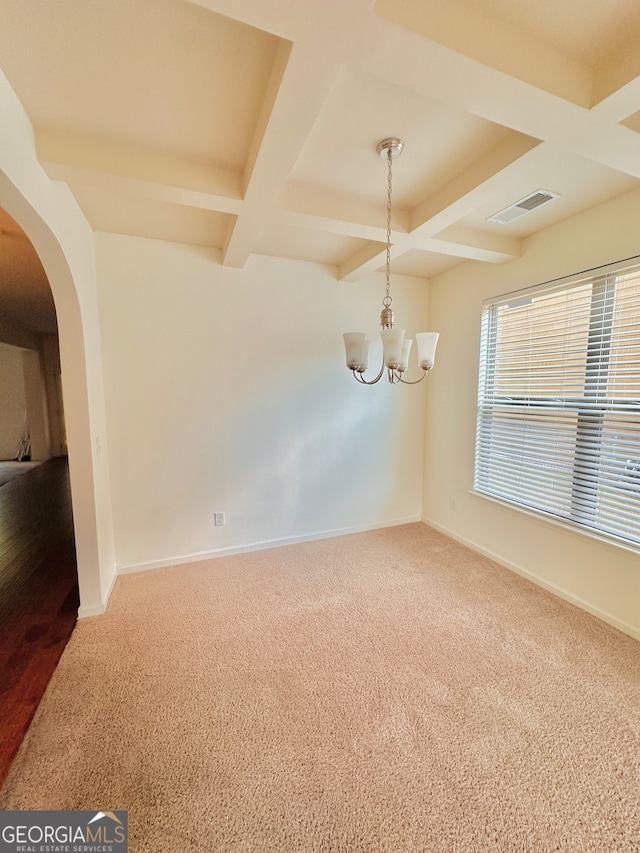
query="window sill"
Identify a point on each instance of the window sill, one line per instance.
(545, 520)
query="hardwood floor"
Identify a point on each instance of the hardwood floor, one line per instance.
(38, 593)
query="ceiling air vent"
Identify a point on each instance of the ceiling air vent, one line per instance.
(522, 207)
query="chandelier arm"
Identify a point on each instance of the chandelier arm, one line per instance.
(415, 381)
(363, 381)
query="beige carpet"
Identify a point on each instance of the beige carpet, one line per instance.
(389, 691)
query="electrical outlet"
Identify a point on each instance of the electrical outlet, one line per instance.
(219, 519)
(452, 504)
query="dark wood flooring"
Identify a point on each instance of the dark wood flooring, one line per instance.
(38, 593)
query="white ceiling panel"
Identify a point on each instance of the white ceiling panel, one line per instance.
(440, 142)
(423, 264)
(585, 30)
(159, 74)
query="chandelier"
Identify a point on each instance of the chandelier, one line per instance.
(395, 355)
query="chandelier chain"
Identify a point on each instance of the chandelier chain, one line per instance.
(387, 299)
(395, 347)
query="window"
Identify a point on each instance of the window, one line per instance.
(559, 400)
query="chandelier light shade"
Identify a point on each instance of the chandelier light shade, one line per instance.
(395, 349)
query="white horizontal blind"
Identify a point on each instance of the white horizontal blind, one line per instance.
(559, 401)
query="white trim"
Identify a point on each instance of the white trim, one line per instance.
(130, 568)
(621, 266)
(99, 609)
(571, 527)
(94, 610)
(556, 590)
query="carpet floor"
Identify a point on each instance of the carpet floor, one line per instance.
(387, 692)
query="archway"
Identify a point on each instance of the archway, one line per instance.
(61, 236)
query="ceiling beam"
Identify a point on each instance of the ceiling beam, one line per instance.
(610, 145)
(138, 172)
(366, 260)
(477, 245)
(153, 190)
(312, 207)
(306, 75)
(493, 43)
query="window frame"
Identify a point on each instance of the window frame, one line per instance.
(592, 408)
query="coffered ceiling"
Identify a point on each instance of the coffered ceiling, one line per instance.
(250, 126)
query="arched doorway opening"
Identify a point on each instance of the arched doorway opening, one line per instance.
(50, 217)
(39, 595)
(32, 414)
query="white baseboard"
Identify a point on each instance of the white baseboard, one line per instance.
(130, 568)
(95, 610)
(99, 609)
(525, 573)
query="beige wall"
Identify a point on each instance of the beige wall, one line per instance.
(29, 382)
(36, 406)
(226, 390)
(12, 400)
(599, 576)
(23, 391)
(52, 380)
